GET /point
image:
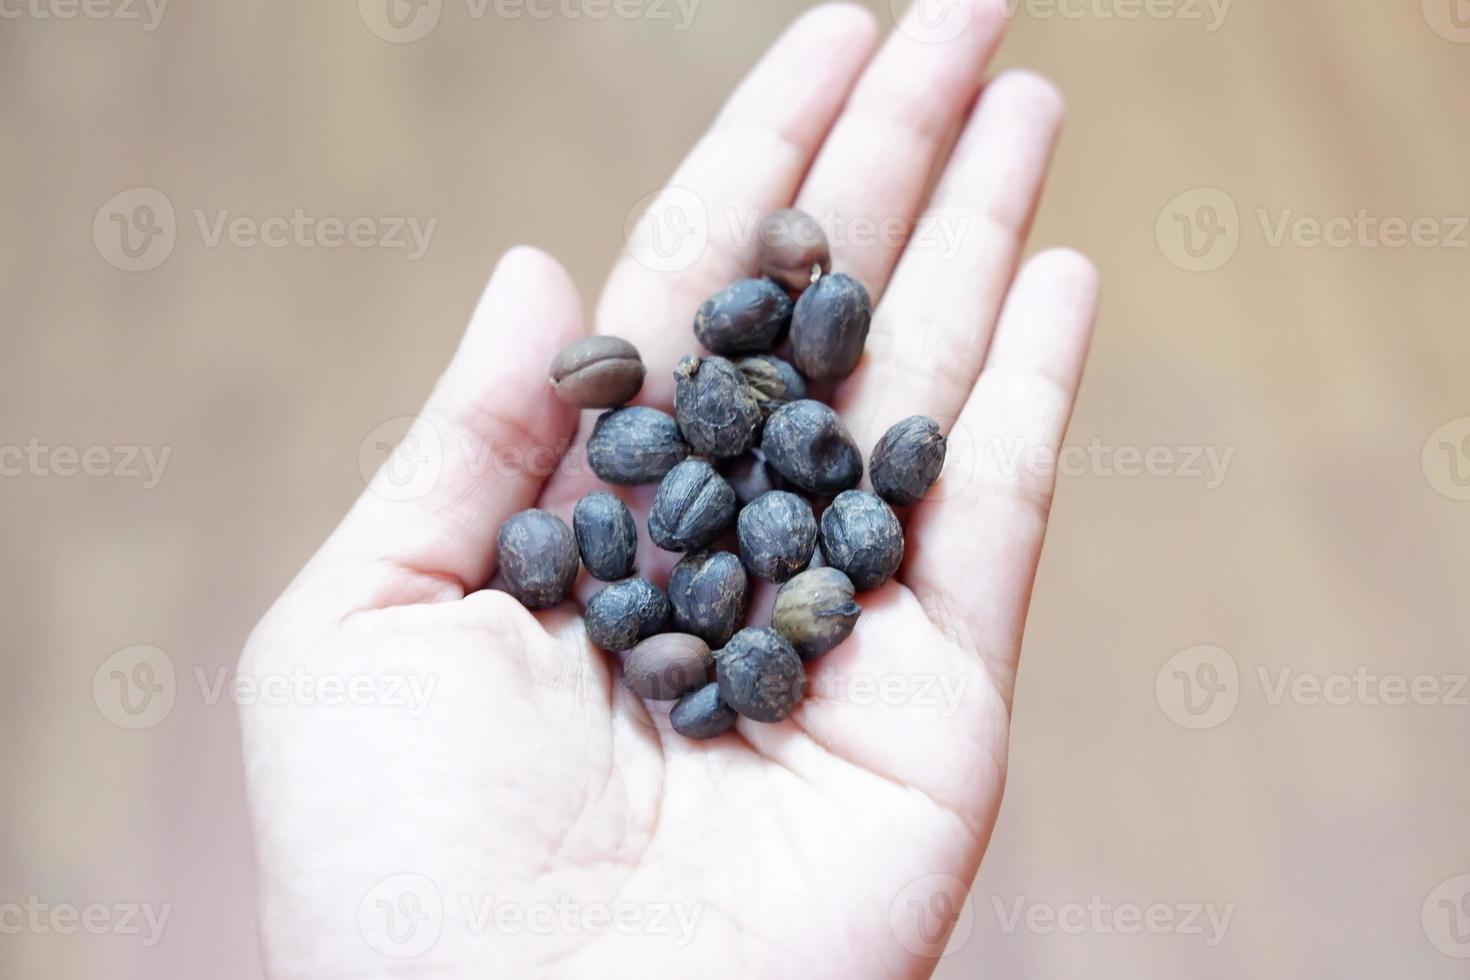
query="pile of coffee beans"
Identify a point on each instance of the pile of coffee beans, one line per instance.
(748, 450)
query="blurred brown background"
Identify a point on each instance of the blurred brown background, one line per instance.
(1327, 542)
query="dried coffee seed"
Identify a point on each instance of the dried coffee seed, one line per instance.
(667, 666)
(709, 593)
(626, 612)
(701, 714)
(538, 557)
(607, 537)
(830, 327)
(597, 372)
(907, 460)
(808, 445)
(751, 476)
(717, 410)
(778, 534)
(760, 676)
(794, 250)
(815, 611)
(636, 445)
(749, 317)
(773, 381)
(861, 536)
(693, 506)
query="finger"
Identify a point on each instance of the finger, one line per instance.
(873, 172)
(749, 163)
(976, 543)
(932, 329)
(490, 434)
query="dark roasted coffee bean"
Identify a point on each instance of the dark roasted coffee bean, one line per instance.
(748, 317)
(667, 666)
(778, 534)
(794, 249)
(538, 557)
(717, 410)
(626, 612)
(636, 445)
(815, 611)
(808, 445)
(830, 327)
(773, 381)
(709, 592)
(760, 676)
(751, 476)
(693, 506)
(907, 460)
(861, 536)
(607, 537)
(597, 372)
(701, 714)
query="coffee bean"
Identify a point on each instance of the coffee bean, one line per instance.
(751, 476)
(778, 534)
(808, 445)
(626, 612)
(794, 249)
(815, 611)
(717, 410)
(636, 445)
(830, 327)
(667, 666)
(774, 382)
(748, 317)
(693, 506)
(701, 714)
(607, 537)
(907, 460)
(709, 593)
(861, 536)
(538, 558)
(597, 372)
(760, 676)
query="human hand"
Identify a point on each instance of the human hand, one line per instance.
(393, 842)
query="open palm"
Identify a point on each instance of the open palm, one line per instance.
(523, 816)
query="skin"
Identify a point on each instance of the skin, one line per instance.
(800, 848)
